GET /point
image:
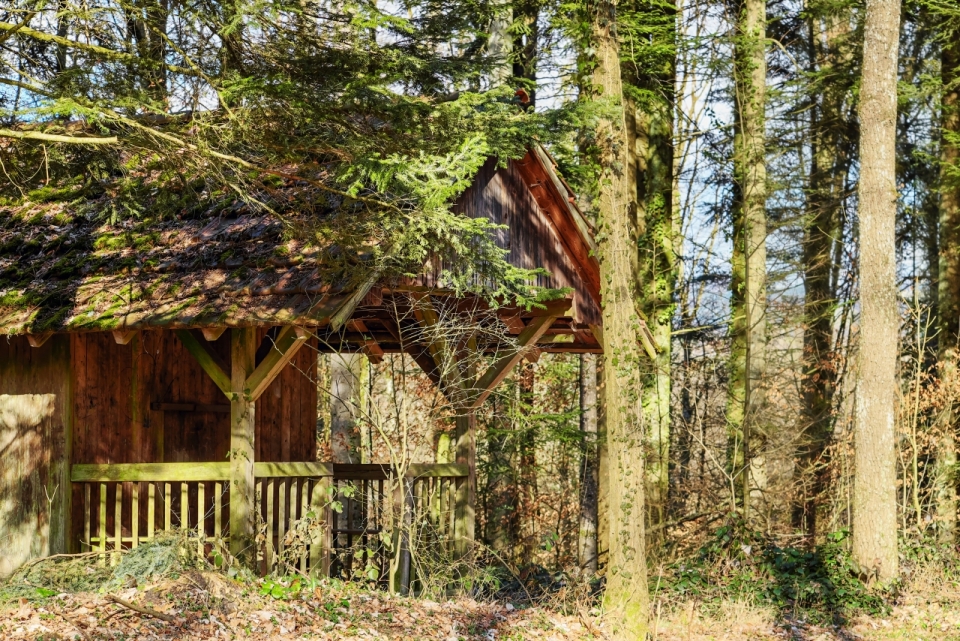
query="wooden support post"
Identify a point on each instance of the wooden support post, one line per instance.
(243, 351)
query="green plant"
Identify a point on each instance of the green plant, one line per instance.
(820, 584)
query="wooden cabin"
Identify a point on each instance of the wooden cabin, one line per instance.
(156, 377)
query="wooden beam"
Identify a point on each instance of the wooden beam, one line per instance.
(371, 348)
(96, 473)
(307, 469)
(212, 333)
(286, 345)
(243, 356)
(207, 360)
(37, 340)
(437, 470)
(123, 337)
(502, 366)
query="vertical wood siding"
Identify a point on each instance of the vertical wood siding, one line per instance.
(116, 384)
(502, 196)
(35, 413)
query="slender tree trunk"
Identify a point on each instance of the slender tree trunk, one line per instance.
(949, 289)
(589, 471)
(830, 163)
(528, 465)
(875, 484)
(626, 599)
(749, 263)
(501, 527)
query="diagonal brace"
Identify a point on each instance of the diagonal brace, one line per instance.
(210, 363)
(498, 371)
(285, 347)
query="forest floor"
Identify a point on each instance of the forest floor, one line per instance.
(185, 603)
(207, 605)
(927, 608)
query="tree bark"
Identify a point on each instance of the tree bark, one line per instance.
(875, 502)
(949, 290)
(626, 599)
(526, 44)
(749, 263)
(589, 471)
(649, 119)
(831, 153)
(345, 375)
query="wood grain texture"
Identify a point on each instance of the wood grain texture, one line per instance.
(35, 422)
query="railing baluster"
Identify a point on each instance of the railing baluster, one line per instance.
(218, 509)
(103, 523)
(281, 517)
(184, 507)
(268, 555)
(86, 517)
(117, 522)
(135, 517)
(201, 519)
(151, 509)
(304, 508)
(167, 507)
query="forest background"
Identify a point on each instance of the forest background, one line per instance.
(742, 161)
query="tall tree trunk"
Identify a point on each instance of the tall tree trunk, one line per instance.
(500, 44)
(345, 386)
(626, 599)
(501, 527)
(875, 484)
(649, 119)
(589, 470)
(949, 288)
(749, 265)
(831, 156)
(526, 377)
(526, 43)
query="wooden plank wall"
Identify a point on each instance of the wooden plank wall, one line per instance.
(35, 419)
(502, 196)
(116, 385)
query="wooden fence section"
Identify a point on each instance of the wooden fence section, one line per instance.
(294, 510)
(126, 504)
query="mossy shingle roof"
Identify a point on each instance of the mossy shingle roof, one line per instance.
(63, 271)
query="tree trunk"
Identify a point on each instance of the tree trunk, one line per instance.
(528, 495)
(830, 163)
(949, 290)
(345, 386)
(500, 44)
(875, 484)
(649, 118)
(526, 44)
(626, 599)
(749, 263)
(589, 474)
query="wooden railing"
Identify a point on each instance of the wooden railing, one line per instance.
(291, 495)
(126, 504)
